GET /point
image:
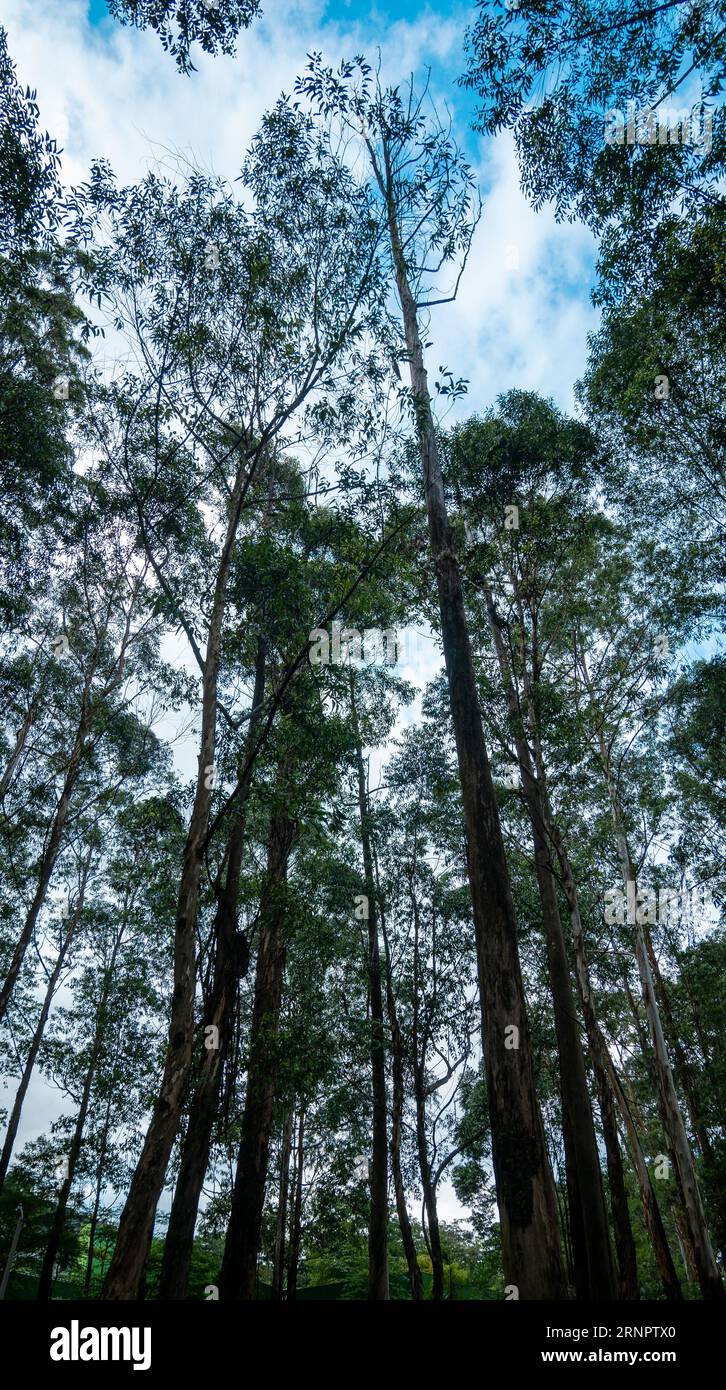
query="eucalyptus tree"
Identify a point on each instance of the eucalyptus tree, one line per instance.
(292, 801)
(526, 451)
(370, 694)
(243, 323)
(652, 389)
(697, 1001)
(586, 88)
(321, 1045)
(109, 1030)
(283, 580)
(542, 591)
(105, 635)
(61, 960)
(431, 989)
(422, 191)
(336, 1195)
(613, 647)
(695, 755)
(619, 701)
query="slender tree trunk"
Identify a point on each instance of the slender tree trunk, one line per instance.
(137, 1219)
(45, 1283)
(428, 1188)
(651, 1209)
(628, 1287)
(50, 852)
(688, 1254)
(231, 963)
(97, 1196)
(683, 1071)
(419, 1042)
(397, 1104)
(592, 1257)
(278, 1266)
(610, 1093)
(708, 1275)
(525, 1188)
(378, 1220)
(237, 1278)
(296, 1224)
(34, 1049)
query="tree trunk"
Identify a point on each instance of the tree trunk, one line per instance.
(428, 1188)
(45, 1283)
(230, 965)
(610, 1093)
(50, 852)
(397, 1104)
(419, 1043)
(296, 1224)
(97, 1197)
(34, 1049)
(525, 1188)
(682, 1066)
(278, 1266)
(378, 1220)
(239, 1264)
(137, 1219)
(592, 1257)
(708, 1275)
(628, 1287)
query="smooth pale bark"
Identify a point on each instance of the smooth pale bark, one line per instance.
(296, 1223)
(53, 978)
(278, 1264)
(526, 1195)
(709, 1278)
(683, 1070)
(685, 1243)
(230, 966)
(651, 1210)
(378, 1218)
(592, 1256)
(45, 1283)
(397, 1103)
(238, 1275)
(137, 1219)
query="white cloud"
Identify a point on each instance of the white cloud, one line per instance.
(111, 91)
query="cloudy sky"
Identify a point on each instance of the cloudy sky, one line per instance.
(523, 311)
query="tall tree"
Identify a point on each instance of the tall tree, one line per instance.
(421, 189)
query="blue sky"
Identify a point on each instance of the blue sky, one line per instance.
(523, 312)
(524, 309)
(106, 89)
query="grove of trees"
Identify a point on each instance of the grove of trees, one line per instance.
(302, 951)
